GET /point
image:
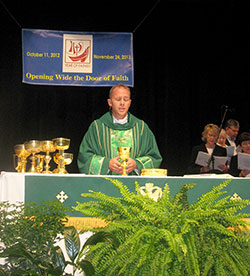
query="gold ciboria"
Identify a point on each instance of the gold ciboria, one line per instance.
(37, 159)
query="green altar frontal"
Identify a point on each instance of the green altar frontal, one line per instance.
(68, 189)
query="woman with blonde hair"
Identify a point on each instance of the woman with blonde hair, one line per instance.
(208, 137)
(222, 138)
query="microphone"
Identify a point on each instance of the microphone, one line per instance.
(226, 107)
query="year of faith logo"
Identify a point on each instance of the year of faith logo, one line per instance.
(77, 53)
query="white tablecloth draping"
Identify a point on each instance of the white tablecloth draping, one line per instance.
(12, 187)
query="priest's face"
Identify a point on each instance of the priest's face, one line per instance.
(120, 102)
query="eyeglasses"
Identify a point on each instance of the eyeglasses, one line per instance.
(234, 130)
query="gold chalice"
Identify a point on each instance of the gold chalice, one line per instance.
(17, 163)
(39, 162)
(124, 153)
(62, 160)
(22, 155)
(47, 147)
(33, 146)
(60, 144)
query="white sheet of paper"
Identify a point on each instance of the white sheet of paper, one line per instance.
(243, 161)
(219, 161)
(230, 151)
(203, 158)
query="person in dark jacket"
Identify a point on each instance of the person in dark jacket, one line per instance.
(244, 144)
(209, 146)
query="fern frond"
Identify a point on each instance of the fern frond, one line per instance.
(208, 264)
(166, 199)
(198, 214)
(237, 269)
(169, 237)
(181, 197)
(191, 258)
(125, 192)
(221, 229)
(207, 199)
(221, 203)
(108, 202)
(90, 209)
(219, 268)
(164, 258)
(137, 258)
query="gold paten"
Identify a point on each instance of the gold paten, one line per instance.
(154, 172)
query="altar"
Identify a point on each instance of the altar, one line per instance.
(67, 188)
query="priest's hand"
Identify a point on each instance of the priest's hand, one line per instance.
(131, 165)
(115, 165)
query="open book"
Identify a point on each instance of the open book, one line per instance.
(203, 159)
(243, 161)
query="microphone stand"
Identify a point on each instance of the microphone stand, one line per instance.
(211, 159)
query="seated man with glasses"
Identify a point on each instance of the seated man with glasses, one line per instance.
(244, 144)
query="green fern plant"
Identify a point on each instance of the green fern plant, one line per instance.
(170, 236)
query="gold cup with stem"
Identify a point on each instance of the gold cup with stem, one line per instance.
(61, 161)
(39, 162)
(47, 147)
(34, 147)
(124, 153)
(17, 163)
(21, 154)
(61, 144)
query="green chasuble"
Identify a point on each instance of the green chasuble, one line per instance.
(103, 137)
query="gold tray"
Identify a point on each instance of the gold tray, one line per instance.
(154, 172)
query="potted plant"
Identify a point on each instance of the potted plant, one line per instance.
(169, 236)
(28, 236)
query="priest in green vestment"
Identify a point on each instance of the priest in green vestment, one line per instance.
(98, 153)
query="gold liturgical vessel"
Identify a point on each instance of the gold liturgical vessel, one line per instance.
(39, 162)
(154, 172)
(22, 154)
(47, 147)
(33, 147)
(62, 158)
(124, 153)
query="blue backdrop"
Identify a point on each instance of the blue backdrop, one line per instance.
(77, 58)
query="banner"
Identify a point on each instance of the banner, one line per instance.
(77, 58)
